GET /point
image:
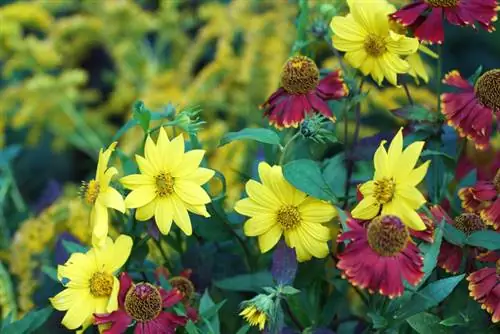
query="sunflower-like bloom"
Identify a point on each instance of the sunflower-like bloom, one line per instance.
(277, 208)
(484, 198)
(98, 193)
(302, 93)
(380, 255)
(254, 316)
(393, 188)
(369, 44)
(90, 282)
(425, 17)
(484, 285)
(470, 111)
(450, 255)
(169, 184)
(143, 304)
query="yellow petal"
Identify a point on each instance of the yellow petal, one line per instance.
(151, 154)
(113, 298)
(410, 195)
(106, 178)
(294, 241)
(200, 175)
(408, 160)
(314, 247)
(249, 207)
(190, 163)
(99, 220)
(348, 29)
(367, 188)
(258, 225)
(356, 58)
(147, 211)
(316, 211)
(381, 162)
(417, 175)
(140, 197)
(162, 145)
(64, 299)
(347, 45)
(145, 166)
(119, 253)
(377, 73)
(366, 209)
(395, 150)
(111, 198)
(181, 216)
(316, 231)
(269, 239)
(102, 163)
(370, 18)
(262, 195)
(197, 209)
(134, 181)
(287, 193)
(417, 67)
(401, 45)
(407, 215)
(191, 193)
(79, 312)
(368, 65)
(175, 153)
(164, 215)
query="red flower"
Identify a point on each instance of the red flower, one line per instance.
(302, 92)
(450, 256)
(485, 162)
(380, 256)
(470, 111)
(425, 17)
(144, 304)
(484, 286)
(426, 235)
(484, 197)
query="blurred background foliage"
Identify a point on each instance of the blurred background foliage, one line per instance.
(71, 70)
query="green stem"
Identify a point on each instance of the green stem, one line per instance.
(408, 95)
(166, 260)
(440, 75)
(287, 146)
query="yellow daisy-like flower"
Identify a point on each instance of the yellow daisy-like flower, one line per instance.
(277, 208)
(254, 317)
(369, 44)
(90, 282)
(393, 188)
(169, 184)
(98, 193)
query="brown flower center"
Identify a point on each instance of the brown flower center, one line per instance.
(89, 191)
(387, 235)
(375, 45)
(101, 284)
(164, 184)
(299, 75)
(384, 190)
(143, 302)
(442, 3)
(185, 287)
(488, 89)
(496, 181)
(469, 223)
(288, 217)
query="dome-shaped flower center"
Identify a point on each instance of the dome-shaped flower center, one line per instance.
(469, 223)
(442, 3)
(164, 184)
(143, 302)
(387, 235)
(384, 190)
(375, 45)
(299, 75)
(496, 181)
(288, 217)
(101, 284)
(89, 191)
(488, 89)
(185, 287)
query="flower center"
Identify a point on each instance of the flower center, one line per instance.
(442, 3)
(185, 287)
(288, 217)
(299, 75)
(374, 45)
(89, 191)
(143, 302)
(488, 89)
(387, 235)
(496, 181)
(164, 184)
(469, 223)
(384, 190)
(101, 284)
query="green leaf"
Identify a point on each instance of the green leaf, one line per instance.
(456, 320)
(244, 329)
(428, 297)
(485, 239)
(378, 321)
(289, 290)
(266, 136)
(29, 323)
(306, 175)
(472, 79)
(247, 282)
(209, 312)
(430, 153)
(415, 113)
(431, 252)
(453, 235)
(142, 115)
(9, 153)
(335, 175)
(425, 323)
(191, 328)
(51, 272)
(72, 247)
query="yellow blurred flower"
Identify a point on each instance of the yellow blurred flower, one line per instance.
(254, 317)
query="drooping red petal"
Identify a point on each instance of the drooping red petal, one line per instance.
(125, 285)
(426, 235)
(439, 214)
(482, 11)
(170, 298)
(320, 106)
(332, 86)
(412, 264)
(491, 215)
(490, 256)
(450, 257)
(431, 30)
(119, 321)
(454, 78)
(410, 13)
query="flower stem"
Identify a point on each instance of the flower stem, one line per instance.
(166, 261)
(440, 75)
(287, 146)
(408, 95)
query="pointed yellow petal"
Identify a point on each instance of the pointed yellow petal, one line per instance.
(145, 166)
(417, 175)
(269, 239)
(134, 181)
(151, 154)
(295, 242)
(258, 225)
(118, 253)
(113, 298)
(314, 247)
(102, 163)
(407, 215)
(162, 143)
(140, 197)
(79, 312)
(249, 207)
(175, 153)
(410, 195)
(401, 45)
(200, 176)
(408, 160)
(190, 192)
(147, 211)
(111, 198)
(99, 220)
(395, 150)
(181, 216)
(197, 209)
(164, 215)
(347, 29)
(367, 188)
(315, 211)
(64, 299)
(366, 209)
(106, 178)
(190, 162)
(262, 195)
(316, 231)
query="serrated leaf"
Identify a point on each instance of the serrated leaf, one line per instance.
(428, 297)
(261, 135)
(306, 176)
(247, 282)
(485, 239)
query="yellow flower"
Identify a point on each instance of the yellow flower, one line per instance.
(369, 44)
(98, 193)
(90, 282)
(254, 317)
(169, 184)
(277, 208)
(393, 188)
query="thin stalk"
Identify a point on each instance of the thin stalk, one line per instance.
(15, 193)
(287, 146)
(440, 75)
(166, 260)
(408, 95)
